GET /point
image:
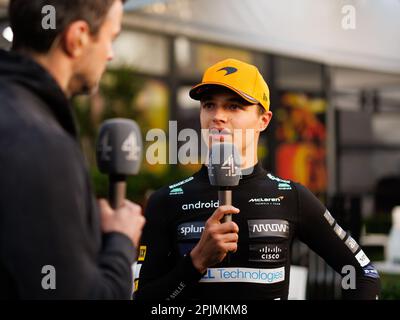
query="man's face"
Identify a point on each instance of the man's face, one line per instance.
(98, 52)
(230, 118)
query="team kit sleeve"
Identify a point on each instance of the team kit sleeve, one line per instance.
(161, 274)
(320, 231)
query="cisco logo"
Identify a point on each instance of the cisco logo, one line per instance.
(266, 253)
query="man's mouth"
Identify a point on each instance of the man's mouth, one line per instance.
(221, 134)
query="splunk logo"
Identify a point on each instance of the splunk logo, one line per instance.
(190, 230)
(264, 276)
(267, 201)
(200, 205)
(267, 253)
(268, 228)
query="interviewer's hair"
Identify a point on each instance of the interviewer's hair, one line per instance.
(26, 20)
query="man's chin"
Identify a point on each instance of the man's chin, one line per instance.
(83, 85)
(86, 90)
(94, 89)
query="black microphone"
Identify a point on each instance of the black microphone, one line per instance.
(119, 151)
(224, 172)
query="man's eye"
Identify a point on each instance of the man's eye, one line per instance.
(235, 107)
(208, 105)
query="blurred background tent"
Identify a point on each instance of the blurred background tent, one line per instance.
(333, 68)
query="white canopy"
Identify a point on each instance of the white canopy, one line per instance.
(319, 30)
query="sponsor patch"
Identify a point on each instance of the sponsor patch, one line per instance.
(267, 253)
(339, 231)
(250, 275)
(136, 267)
(142, 253)
(284, 186)
(267, 201)
(352, 244)
(190, 230)
(370, 271)
(176, 191)
(362, 258)
(180, 183)
(268, 228)
(136, 270)
(270, 176)
(329, 217)
(201, 205)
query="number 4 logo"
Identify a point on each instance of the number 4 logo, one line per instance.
(130, 145)
(105, 149)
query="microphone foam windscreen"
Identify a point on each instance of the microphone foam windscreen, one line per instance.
(224, 165)
(119, 147)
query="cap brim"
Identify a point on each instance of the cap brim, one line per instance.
(198, 90)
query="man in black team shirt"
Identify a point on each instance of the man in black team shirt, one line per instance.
(185, 241)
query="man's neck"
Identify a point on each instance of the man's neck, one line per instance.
(248, 163)
(249, 160)
(58, 67)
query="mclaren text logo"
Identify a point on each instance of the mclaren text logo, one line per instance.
(267, 201)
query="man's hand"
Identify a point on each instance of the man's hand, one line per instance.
(127, 219)
(216, 240)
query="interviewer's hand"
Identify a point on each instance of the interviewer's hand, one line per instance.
(127, 219)
(216, 240)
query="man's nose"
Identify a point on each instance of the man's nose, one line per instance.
(110, 55)
(219, 115)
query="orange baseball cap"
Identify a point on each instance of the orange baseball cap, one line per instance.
(238, 76)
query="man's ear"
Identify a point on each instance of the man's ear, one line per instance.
(75, 38)
(265, 119)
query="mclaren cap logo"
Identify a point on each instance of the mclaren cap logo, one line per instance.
(229, 70)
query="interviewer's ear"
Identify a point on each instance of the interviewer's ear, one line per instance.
(75, 39)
